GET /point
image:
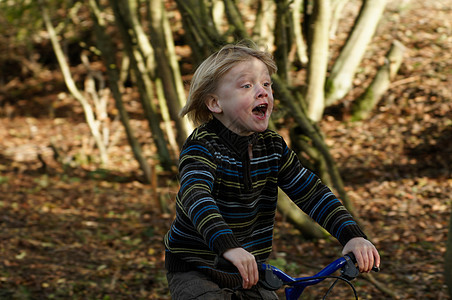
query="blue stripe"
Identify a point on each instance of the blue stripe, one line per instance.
(264, 171)
(257, 242)
(197, 172)
(196, 148)
(266, 159)
(339, 231)
(199, 202)
(303, 186)
(286, 150)
(332, 202)
(193, 180)
(208, 207)
(320, 202)
(295, 179)
(216, 235)
(179, 233)
(229, 172)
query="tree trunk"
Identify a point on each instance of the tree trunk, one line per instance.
(235, 20)
(264, 26)
(282, 38)
(128, 32)
(362, 106)
(318, 59)
(300, 45)
(174, 64)
(89, 114)
(170, 77)
(202, 37)
(337, 6)
(106, 47)
(218, 12)
(340, 80)
(97, 91)
(150, 69)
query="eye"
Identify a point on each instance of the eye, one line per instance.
(246, 86)
(267, 84)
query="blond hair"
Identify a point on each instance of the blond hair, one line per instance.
(211, 70)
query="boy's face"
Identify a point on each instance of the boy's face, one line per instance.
(243, 101)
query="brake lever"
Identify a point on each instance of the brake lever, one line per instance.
(266, 276)
(349, 271)
(269, 280)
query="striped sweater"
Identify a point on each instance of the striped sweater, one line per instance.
(227, 199)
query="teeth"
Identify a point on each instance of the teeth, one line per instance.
(261, 106)
(260, 109)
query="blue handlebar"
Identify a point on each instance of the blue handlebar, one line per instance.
(297, 285)
(273, 278)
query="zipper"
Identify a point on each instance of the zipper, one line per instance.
(248, 183)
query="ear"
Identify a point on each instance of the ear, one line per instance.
(213, 104)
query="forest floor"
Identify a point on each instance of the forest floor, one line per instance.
(80, 232)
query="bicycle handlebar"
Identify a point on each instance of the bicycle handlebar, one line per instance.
(224, 264)
(273, 278)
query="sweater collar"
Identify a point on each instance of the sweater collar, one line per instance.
(235, 142)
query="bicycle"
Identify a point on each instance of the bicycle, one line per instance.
(272, 278)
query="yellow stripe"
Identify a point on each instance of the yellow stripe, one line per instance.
(206, 219)
(198, 158)
(200, 186)
(262, 251)
(182, 208)
(203, 134)
(332, 213)
(288, 162)
(308, 193)
(263, 182)
(190, 250)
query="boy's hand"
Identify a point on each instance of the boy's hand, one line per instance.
(245, 263)
(365, 252)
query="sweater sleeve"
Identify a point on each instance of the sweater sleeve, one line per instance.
(307, 191)
(197, 178)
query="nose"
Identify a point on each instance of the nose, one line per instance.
(262, 92)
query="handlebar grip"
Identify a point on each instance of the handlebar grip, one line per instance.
(269, 280)
(353, 258)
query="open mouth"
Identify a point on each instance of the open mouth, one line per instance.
(260, 110)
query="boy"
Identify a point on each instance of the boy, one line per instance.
(230, 170)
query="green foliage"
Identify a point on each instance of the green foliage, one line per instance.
(281, 263)
(20, 18)
(3, 179)
(22, 293)
(43, 181)
(149, 232)
(329, 87)
(14, 10)
(362, 107)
